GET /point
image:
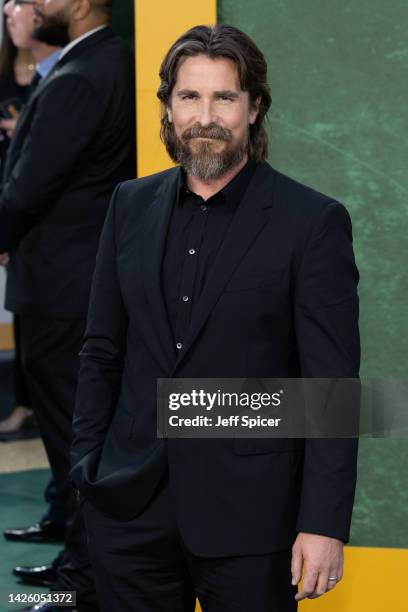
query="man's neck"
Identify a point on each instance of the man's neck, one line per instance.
(206, 189)
(81, 28)
(41, 51)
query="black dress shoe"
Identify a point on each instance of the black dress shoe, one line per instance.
(43, 532)
(43, 575)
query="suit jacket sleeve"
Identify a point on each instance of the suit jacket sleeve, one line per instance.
(102, 356)
(66, 118)
(326, 319)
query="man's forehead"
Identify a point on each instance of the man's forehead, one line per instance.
(201, 70)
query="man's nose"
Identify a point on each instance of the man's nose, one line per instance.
(206, 113)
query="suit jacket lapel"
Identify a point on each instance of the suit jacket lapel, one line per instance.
(154, 239)
(248, 221)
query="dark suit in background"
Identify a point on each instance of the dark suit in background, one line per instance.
(279, 300)
(74, 142)
(11, 90)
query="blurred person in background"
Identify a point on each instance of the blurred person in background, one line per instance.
(17, 66)
(23, 59)
(74, 142)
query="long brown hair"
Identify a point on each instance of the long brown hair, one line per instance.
(220, 41)
(8, 52)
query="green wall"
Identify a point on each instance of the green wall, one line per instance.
(338, 72)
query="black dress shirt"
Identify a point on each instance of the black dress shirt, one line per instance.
(196, 230)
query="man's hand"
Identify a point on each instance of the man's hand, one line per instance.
(9, 125)
(4, 259)
(320, 558)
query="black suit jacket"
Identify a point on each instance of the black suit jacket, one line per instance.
(73, 144)
(280, 301)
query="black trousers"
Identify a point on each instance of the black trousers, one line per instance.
(56, 505)
(49, 351)
(143, 565)
(20, 383)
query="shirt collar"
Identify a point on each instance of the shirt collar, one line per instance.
(73, 43)
(231, 194)
(46, 65)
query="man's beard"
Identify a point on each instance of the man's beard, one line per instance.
(201, 161)
(52, 30)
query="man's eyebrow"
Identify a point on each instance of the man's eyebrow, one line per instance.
(227, 93)
(187, 92)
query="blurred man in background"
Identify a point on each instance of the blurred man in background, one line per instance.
(25, 62)
(73, 143)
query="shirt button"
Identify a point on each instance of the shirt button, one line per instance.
(185, 298)
(203, 207)
(179, 345)
(192, 251)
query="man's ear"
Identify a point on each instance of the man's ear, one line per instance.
(254, 111)
(169, 115)
(81, 9)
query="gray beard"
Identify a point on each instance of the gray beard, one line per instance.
(206, 165)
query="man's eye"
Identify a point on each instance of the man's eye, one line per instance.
(224, 98)
(189, 97)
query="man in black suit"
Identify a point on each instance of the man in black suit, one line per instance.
(221, 267)
(73, 143)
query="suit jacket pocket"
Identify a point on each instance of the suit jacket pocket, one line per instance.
(262, 446)
(255, 281)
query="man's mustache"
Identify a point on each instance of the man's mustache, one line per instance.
(212, 131)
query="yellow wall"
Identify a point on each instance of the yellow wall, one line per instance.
(6, 337)
(158, 24)
(374, 581)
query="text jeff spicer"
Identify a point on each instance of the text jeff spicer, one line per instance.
(232, 421)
